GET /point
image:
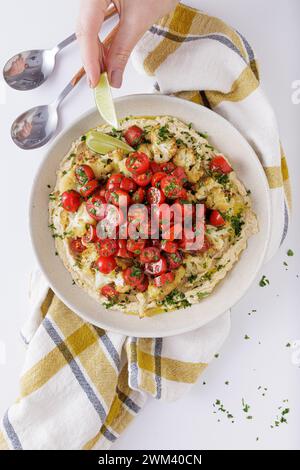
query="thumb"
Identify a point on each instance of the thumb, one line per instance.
(119, 53)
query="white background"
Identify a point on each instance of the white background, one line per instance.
(272, 28)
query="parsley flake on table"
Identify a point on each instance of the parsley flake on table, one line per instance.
(264, 281)
(290, 252)
(219, 407)
(281, 418)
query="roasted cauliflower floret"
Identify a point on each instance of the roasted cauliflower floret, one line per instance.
(78, 221)
(185, 157)
(163, 146)
(159, 293)
(195, 173)
(67, 182)
(218, 199)
(205, 186)
(146, 148)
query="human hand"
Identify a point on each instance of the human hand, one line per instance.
(136, 17)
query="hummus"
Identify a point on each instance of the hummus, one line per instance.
(165, 140)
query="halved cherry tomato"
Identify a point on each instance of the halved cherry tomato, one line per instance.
(183, 193)
(84, 173)
(167, 167)
(143, 285)
(138, 196)
(89, 188)
(71, 200)
(133, 276)
(96, 207)
(114, 182)
(101, 192)
(134, 135)
(168, 246)
(216, 219)
(138, 213)
(107, 247)
(114, 215)
(173, 233)
(150, 254)
(206, 245)
(180, 174)
(155, 167)
(122, 250)
(127, 184)
(137, 163)
(157, 177)
(143, 179)
(165, 278)
(171, 187)
(191, 237)
(106, 264)
(156, 268)
(184, 208)
(219, 163)
(76, 246)
(174, 260)
(155, 196)
(90, 235)
(109, 291)
(119, 198)
(136, 246)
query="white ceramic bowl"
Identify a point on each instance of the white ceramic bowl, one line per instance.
(229, 141)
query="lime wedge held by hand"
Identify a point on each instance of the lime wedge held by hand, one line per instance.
(103, 143)
(104, 101)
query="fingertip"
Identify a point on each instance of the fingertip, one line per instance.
(116, 78)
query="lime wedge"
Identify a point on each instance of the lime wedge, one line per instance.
(103, 143)
(104, 101)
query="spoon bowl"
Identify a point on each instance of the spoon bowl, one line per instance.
(29, 69)
(35, 127)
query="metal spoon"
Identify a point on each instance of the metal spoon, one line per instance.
(29, 69)
(36, 127)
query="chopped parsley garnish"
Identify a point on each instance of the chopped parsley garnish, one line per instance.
(220, 407)
(192, 277)
(202, 295)
(203, 135)
(282, 417)
(176, 300)
(264, 281)
(110, 303)
(164, 133)
(221, 178)
(83, 138)
(290, 252)
(237, 223)
(116, 133)
(246, 407)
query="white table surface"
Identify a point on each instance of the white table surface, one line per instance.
(264, 360)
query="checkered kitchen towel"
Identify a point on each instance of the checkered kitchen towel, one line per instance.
(81, 386)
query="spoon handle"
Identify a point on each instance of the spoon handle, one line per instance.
(78, 76)
(109, 14)
(66, 42)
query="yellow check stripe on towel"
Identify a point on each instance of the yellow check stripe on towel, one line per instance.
(200, 58)
(82, 386)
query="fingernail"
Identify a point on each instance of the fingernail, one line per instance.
(89, 82)
(116, 78)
